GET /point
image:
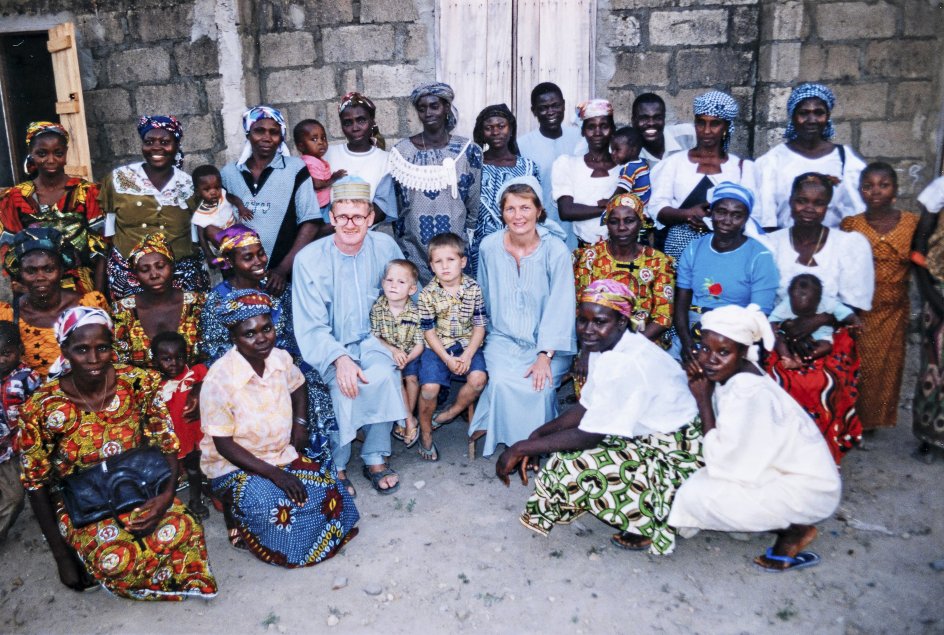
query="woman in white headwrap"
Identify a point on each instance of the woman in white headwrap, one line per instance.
(767, 467)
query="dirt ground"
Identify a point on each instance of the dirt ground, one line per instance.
(447, 554)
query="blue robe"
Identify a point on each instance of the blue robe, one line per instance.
(332, 294)
(529, 310)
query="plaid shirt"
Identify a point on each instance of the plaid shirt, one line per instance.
(402, 331)
(453, 317)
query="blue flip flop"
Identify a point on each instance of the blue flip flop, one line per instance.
(802, 560)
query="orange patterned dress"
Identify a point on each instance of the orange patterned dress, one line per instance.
(57, 439)
(882, 341)
(39, 342)
(651, 276)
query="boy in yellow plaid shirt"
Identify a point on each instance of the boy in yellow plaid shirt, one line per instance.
(452, 316)
(395, 321)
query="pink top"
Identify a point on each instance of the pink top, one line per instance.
(319, 169)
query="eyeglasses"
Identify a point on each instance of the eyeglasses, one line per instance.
(344, 219)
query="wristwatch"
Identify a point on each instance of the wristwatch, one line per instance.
(550, 354)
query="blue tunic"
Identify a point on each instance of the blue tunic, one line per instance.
(747, 274)
(531, 308)
(332, 294)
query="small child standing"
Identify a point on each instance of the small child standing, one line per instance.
(180, 390)
(625, 146)
(395, 321)
(452, 316)
(214, 211)
(805, 299)
(311, 141)
(17, 383)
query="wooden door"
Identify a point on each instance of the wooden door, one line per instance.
(70, 105)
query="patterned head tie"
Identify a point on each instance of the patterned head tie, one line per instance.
(611, 294)
(79, 316)
(717, 104)
(350, 188)
(68, 322)
(155, 243)
(744, 325)
(148, 123)
(594, 108)
(444, 92)
(623, 199)
(37, 128)
(802, 93)
(727, 189)
(234, 237)
(243, 304)
(39, 238)
(354, 98)
(253, 115)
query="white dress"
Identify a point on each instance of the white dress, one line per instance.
(766, 464)
(777, 169)
(570, 176)
(843, 265)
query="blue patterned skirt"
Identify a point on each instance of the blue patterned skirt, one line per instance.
(280, 532)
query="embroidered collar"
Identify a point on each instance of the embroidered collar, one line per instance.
(132, 179)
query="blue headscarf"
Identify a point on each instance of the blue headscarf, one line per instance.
(727, 189)
(148, 123)
(253, 115)
(717, 104)
(809, 91)
(444, 92)
(242, 304)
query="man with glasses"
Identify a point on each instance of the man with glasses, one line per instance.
(335, 282)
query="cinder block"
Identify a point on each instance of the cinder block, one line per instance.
(139, 65)
(855, 20)
(303, 85)
(361, 43)
(286, 49)
(688, 28)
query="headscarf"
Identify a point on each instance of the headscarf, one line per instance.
(526, 179)
(69, 321)
(611, 294)
(149, 122)
(444, 92)
(717, 104)
(744, 325)
(155, 243)
(809, 91)
(623, 199)
(253, 115)
(497, 110)
(39, 238)
(594, 108)
(354, 98)
(727, 189)
(350, 188)
(37, 128)
(242, 304)
(234, 237)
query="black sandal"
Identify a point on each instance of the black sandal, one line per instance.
(376, 477)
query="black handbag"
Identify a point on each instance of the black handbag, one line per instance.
(115, 486)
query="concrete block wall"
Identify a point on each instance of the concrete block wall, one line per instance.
(313, 52)
(681, 48)
(883, 60)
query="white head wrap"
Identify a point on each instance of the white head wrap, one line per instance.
(743, 325)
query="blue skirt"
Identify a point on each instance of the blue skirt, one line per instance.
(280, 532)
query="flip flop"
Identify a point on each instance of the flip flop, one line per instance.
(376, 477)
(398, 433)
(802, 560)
(412, 441)
(617, 540)
(429, 454)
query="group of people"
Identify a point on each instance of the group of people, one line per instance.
(730, 327)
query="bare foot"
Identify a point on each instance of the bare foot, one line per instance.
(790, 542)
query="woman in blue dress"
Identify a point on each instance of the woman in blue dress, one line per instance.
(242, 255)
(496, 131)
(528, 282)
